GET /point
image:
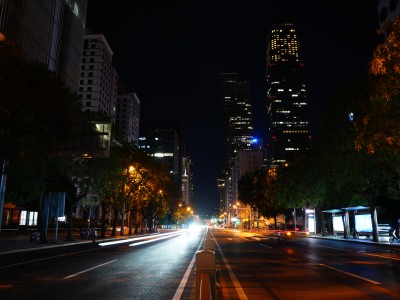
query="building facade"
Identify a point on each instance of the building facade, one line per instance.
(98, 86)
(127, 117)
(48, 31)
(163, 142)
(236, 134)
(51, 33)
(187, 181)
(287, 104)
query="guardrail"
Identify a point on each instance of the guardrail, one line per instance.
(383, 233)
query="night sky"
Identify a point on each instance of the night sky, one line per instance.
(170, 52)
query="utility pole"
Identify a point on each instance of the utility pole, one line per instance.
(2, 190)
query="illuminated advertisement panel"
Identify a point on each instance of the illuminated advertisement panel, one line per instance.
(363, 223)
(337, 223)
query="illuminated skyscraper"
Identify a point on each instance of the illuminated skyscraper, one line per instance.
(236, 133)
(287, 104)
(236, 120)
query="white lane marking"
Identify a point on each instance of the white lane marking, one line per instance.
(185, 278)
(30, 261)
(350, 274)
(87, 270)
(265, 246)
(381, 256)
(239, 290)
(44, 258)
(334, 248)
(362, 252)
(139, 238)
(152, 240)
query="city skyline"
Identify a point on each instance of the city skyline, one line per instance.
(170, 56)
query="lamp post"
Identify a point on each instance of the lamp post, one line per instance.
(235, 214)
(239, 216)
(2, 190)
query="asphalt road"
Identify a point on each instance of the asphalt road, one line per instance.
(251, 267)
(248, 266)
(148, 267)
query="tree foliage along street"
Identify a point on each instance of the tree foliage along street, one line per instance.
(36, 112)
(39, 118)
(130, 181)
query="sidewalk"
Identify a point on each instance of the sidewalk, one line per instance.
(384, 240)
(12, 243)
(21, 242)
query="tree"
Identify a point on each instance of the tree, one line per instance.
(36, 111)
(377, 129)
(258, 190)
(130, 181)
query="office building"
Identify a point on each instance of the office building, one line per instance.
(127, 117)
(236, 116)
(223, 204)
(163, 141)
(287, 104)
(187, 181)
(98, 88)
(236, 134)
(49, 31)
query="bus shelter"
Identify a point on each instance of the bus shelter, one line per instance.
(355, 219)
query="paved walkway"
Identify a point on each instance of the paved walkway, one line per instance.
(384, 240)
(10, 243)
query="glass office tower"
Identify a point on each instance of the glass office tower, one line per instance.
(236, 134)
(287, 104)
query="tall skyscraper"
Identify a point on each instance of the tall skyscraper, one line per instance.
(49, 31)
(187, 181)
(287, 103)
(236, 120)
(236, 133)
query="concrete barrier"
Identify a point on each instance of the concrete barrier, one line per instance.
(205, 275)
(209, 245)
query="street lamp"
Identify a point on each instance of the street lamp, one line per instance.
(2, 190)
